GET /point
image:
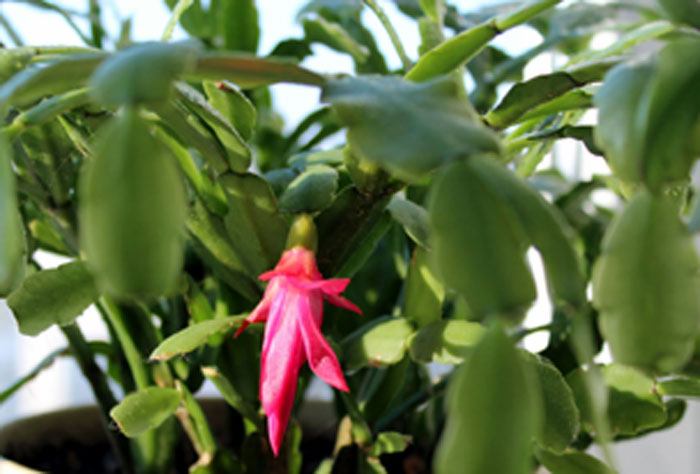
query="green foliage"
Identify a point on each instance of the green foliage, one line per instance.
(428, 191)
(144, 410)
(636, 281)
(493, 411)
(51, 297)
(132, 211)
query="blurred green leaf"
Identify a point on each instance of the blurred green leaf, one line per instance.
(142, 73)
(679, 386)
(193, 336)
(423, 292)
(660, 263)
(239, 25)
(233, 105)
(525, 96)
(378, 343)
(237, 151)
(313, 190)
(56, 296)
(571, 462)
(145, 409)
(479, 241)
(493, 397)
(254, 224)
(389, 442)
(446, 342)
(12, 243)
(63, 75)
(413, 218)
(459, 49)
(382, 113)
(682, 11)
(319, 30)
(561, 415)
(132, 211)
(248, 72)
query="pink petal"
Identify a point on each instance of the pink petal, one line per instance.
(341, 302)
(283, 356)
(260, 313)
(321, 357)
(332, 286)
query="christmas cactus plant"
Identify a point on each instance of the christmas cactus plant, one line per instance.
(189, 212)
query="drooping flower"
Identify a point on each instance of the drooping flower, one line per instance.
(292, 306)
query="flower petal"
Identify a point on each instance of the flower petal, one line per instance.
(341, 302)
(321, 357)
(261, 311)
(283, 356)
(332, 286)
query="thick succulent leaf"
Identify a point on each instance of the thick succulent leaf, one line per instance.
(233, 105)
(193, 336)
(493, 397)
(379, 343)
(546, 228)
(409, 129)
(413, 218)
(647, 288)
(446, 341)
(132, 211)
(55, 296)
(572, 462)
(313, 190)
(456, 51)
(239, 25)
(561, 415)
(12, 243)
(333, 35)
(248, 72)
(423, 292)
(479, 242)
(253, 222)
(142, 73)
(145, 409)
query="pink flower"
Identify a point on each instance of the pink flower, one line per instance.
(293, 308)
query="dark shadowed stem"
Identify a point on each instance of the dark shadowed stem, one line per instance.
(105, 399)
(410, 403)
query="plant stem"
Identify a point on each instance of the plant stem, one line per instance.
(131, 353)
(104, 396)
(179, 9)
(411, 402)
(405, 60)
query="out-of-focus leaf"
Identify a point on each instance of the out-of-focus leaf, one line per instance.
(445, 342)
(313, 190)
(14, 60)
(479, 241)
(191, 337)
(527, 95)
(660, 263)
(239, 25)
(413, 218)
(493, 397)
(145, 409)
(60, 76)
(682, 11)
(389, 442)
(253, 222)
(248, 72)
(561, 416)
(56, 296)
(143, 73)
(423, 293)
(12, 243)
(383, 113)
(237, 150)
(456, 51)
(680, 386)
(233, 105)
(379, 343)
(633, 404)
(335, 37)
(571, 462)
(132, 211)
